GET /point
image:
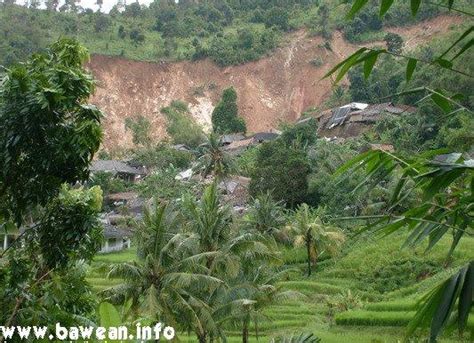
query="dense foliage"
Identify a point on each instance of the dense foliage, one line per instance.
(226, 31)
(49, 135)
(225, 117)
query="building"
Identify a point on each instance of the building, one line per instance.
(117, 168)
(115, 239)
(355, 118)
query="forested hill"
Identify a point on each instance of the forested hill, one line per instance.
(227, 31)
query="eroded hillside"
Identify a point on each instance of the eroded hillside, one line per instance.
(274, 89)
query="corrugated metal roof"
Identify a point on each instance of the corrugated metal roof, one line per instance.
(113, 166)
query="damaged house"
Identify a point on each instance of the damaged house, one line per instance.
(353, 119)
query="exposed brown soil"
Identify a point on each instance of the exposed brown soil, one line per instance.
(272, 90)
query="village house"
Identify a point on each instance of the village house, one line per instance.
(117, 169)
(355, 118)
(115, 238)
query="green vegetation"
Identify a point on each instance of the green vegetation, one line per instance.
(48, 135)
(225, 116)
(226, 31)
(181, 128)
(335, 245)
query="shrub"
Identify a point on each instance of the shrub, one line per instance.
(162, 156)
(181, 127)
(140, 127)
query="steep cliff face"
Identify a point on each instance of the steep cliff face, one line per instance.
(272, 90)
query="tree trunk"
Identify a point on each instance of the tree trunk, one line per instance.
(245, 332)
(202, 338)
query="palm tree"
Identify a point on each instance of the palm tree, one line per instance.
(265, 215)
(317, 237)
(164, 283)
(213, 160)
(253, 292)
(230, 255)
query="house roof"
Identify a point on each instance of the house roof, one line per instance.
(112, 231)
(339, 116)
(227, 139)
(240, 144)
(113, 166)
(265, 136)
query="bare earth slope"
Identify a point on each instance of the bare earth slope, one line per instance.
(274, 89)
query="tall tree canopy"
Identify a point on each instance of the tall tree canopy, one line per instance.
(225, 116)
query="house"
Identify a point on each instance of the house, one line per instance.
(230, 138)
(261, 137)
(353, 119)
(129, 202)
(117, 168)
(382, 147)
(115, 238)
(239, 146)
(235, 191)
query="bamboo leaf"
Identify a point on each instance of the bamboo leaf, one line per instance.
(464, 48)
(410, 68)
(109, 316)
(370, 62)
(340, 64)
(465, 298)
(358, 4)
(464, 35)
(441, 101)
(385, 6)
(414, 5)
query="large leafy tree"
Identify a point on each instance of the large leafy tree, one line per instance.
(48, 132)
(48, 136)
(288, 182)
(445, 182)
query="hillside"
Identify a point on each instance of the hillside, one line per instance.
(274, 89)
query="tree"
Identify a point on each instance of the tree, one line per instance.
(265, 215)
(48, 135)
(48, 113)
(394, 42)
(238, 257)
(277, 17)
(162, 283)
(288, 182)
(225, 116)
(446, 185)
(214, 161)
(315, 236)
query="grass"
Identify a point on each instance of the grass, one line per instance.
(373, 318)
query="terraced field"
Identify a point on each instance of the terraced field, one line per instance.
(363, 315)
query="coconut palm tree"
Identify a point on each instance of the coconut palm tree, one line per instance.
(165, 283)
(253, 291)
(318, 238)
(214, 161)
(265, 215)
(231, 255)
